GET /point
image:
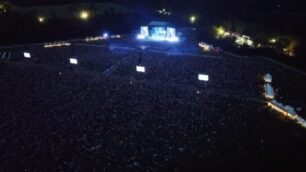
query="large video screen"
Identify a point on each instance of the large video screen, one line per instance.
(158, 33)
(144, 30)
(171, 33)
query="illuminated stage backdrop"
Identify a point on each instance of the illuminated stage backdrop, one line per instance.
(158, 31)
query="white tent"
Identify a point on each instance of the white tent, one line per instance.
(269, 91)
(268, 78)
(290, 109)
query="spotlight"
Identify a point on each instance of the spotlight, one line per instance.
(105, 35)
(84, 15)
(41, 19)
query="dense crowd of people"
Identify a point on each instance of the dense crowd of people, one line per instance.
(101, 115)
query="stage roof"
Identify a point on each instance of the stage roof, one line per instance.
(159, 23)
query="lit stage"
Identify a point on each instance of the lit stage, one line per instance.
(158, 31)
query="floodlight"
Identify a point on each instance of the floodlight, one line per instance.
(203, 77)
(41, 19)
(73, 61)
(105, 35)
(220, 31)
(27, 55)
(193, 19)
(249, 42)
(141, 69)
(273, 40)
(84, 15)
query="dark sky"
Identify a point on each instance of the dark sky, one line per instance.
(230, 8)
(230, 3)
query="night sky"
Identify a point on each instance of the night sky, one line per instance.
(268, 4)
(230, 9)
(279, 13)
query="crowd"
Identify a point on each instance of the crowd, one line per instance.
(59, 117)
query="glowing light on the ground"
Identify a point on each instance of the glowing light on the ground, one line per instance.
(220, 31)
(140, 69)
(115, 36)
(73, 61)
(105, 35)
(94, 38)
(287, 111)
(203, 77)
(240, 39)
(226, 34)
(273, 40)
(204, 46)
(281, 109)
(57, 44)
(250, 43)
(244, 40)
(27, 55)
